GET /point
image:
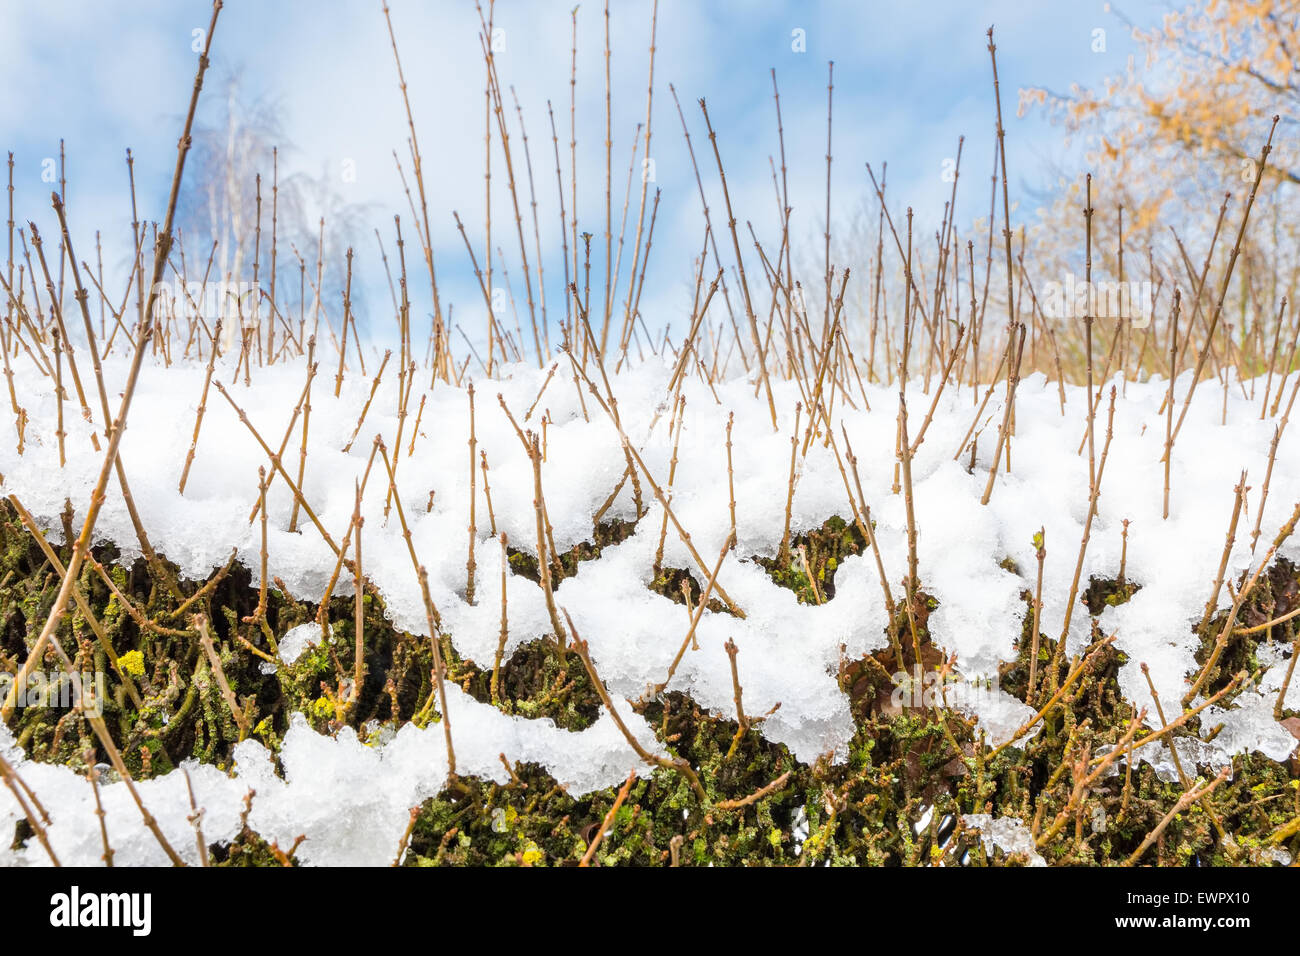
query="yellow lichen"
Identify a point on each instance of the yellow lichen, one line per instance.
(132, 662)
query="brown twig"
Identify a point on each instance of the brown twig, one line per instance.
(678, 764)
(1186, 800)
(608, 822)
(236, 711)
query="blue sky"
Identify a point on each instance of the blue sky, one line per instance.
(909, 79)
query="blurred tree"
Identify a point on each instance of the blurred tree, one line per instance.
(241, 143)
(1169, 138)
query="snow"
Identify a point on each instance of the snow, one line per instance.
(298, 639)
(1007, 833)
(351, 800)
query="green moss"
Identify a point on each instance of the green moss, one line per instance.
(825, 547)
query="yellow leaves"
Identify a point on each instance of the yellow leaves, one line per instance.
(1030, 96)
(1146, 216)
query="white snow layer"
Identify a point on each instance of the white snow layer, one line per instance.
(351, 800)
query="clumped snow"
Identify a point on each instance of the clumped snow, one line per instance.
(298, 639)
(1007, 833)
(351, 799)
